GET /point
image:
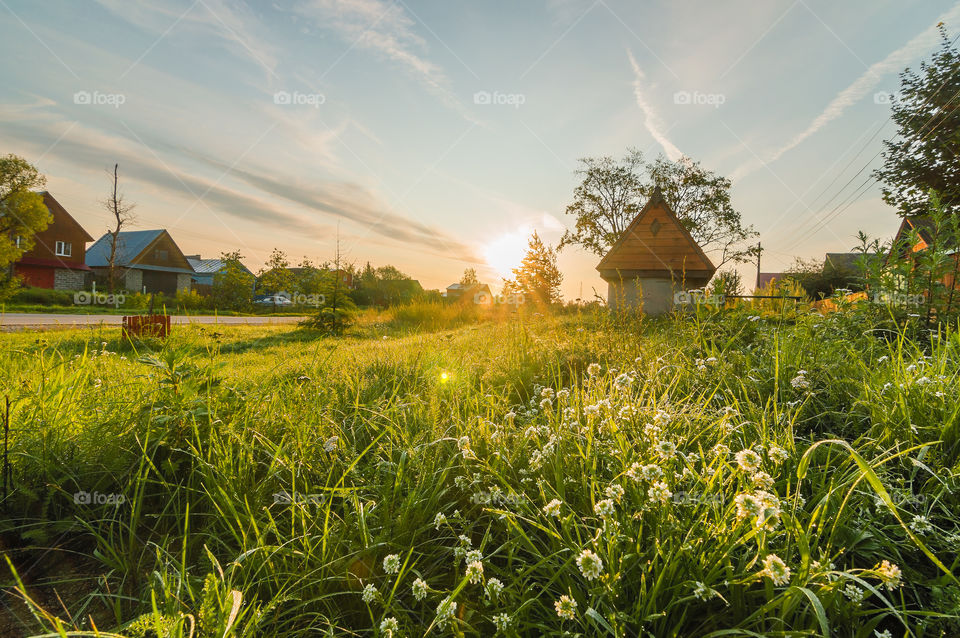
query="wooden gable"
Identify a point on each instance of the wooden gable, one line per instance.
(162, 252)
(656, 244)
(63, 228)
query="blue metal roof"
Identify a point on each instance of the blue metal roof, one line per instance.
(129, 245)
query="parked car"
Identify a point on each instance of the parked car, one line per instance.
(274, 300)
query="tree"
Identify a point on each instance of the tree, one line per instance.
(727, 282)
(309, 279)
(122, 213)
(469, 278)
(22, 215)
(613, 192)
(538, 276)
(275, 276)
(233, 285)
(338, 310)
(924, 156)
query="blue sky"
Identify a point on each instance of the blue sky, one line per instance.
(437, 135)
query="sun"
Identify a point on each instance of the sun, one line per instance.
(505, 253)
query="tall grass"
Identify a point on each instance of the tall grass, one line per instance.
(714, 474)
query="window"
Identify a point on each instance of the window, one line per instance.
(64, 249)
(160, 255)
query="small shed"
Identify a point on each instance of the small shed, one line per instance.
(653, 259)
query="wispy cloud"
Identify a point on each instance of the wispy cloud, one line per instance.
(860, 88)
(229, 22)
(384, 28)
(315, 205)
(651, 121)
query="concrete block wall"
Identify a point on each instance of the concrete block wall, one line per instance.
(66, 279)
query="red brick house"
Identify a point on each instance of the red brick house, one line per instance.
(57, 257)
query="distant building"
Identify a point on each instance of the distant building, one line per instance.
(654, 258)
(766, 278)
(474, 293)
(57, 257)
(146, 261)
(205, 270)
(925, 230)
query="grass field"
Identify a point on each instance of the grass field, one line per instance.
(536, 475)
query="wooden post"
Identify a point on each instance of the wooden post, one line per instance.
(759, 250)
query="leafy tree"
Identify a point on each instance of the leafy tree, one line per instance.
(727, 282)
(309, 279)
(469, 278)
(275, 276)
(233, 285)
(538, 276)
(22, 214)
(612, 193)
(925, 154)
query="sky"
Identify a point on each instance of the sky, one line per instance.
(436, 136)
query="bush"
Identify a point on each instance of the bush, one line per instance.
(43, 296)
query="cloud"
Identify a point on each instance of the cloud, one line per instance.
(652, 121)
(385, 29)
(231, 22)
(860, 88)
(347, 201)
(85, 148)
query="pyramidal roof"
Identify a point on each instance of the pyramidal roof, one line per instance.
(656, 244)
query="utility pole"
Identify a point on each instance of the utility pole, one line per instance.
(759, 250)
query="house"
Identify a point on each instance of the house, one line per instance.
(57, 257)
(146, 260)
(654, 258)
(767, 278)
(925, 230)
(205, 270)
(475, 293)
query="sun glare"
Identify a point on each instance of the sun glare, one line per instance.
(504, 253)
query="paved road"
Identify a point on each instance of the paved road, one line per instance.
(21, 320)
